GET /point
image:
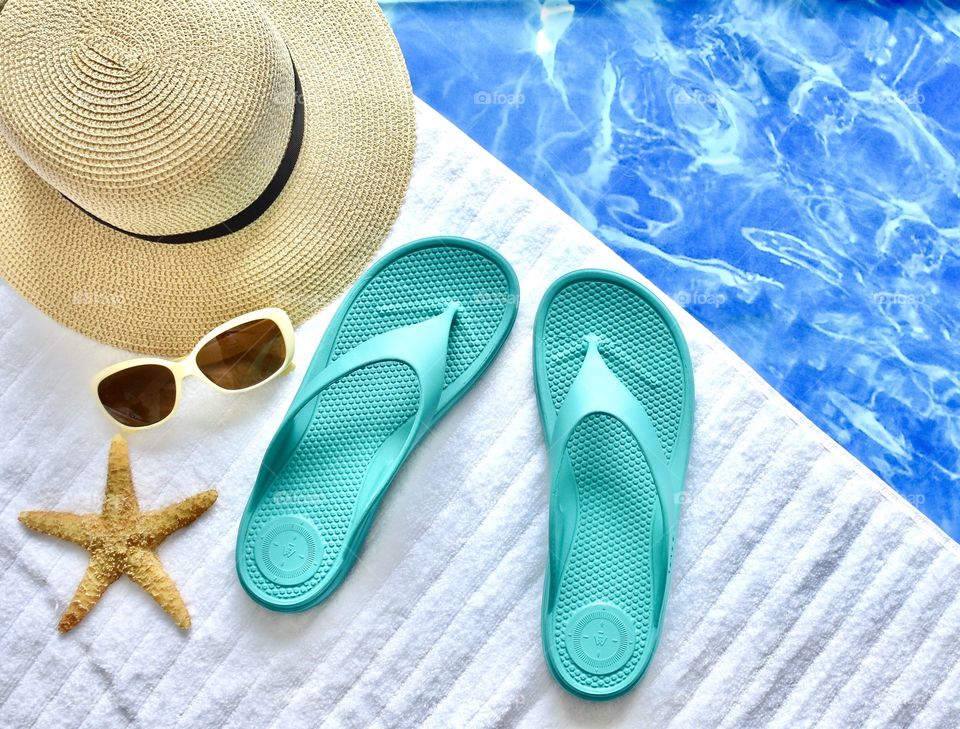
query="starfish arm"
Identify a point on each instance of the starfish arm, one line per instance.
(144, 568)
(77, 528)
(155, 526)
(120, 500)
(99, 576)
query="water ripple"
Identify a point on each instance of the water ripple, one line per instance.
(788, 171)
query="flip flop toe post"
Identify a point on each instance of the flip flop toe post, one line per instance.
(615, 388)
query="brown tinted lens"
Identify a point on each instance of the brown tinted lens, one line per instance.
(243, 356)
(139, 396)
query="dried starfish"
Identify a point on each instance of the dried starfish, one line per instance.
(122, 540)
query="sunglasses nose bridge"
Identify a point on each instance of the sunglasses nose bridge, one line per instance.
(247, 353)
(186, 367)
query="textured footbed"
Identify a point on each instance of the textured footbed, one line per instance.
(610, 559)
(321, 480)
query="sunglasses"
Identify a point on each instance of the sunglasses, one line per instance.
(237, 356)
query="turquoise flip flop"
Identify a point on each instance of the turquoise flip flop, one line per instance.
(411, 338)
(615, 388)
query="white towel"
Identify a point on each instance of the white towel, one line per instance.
(805, 591)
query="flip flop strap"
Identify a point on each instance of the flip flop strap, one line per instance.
(597, 390)
(422, 346)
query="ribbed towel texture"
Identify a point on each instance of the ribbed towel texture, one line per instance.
(805, 592)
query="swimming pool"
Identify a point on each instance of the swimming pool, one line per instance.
(785, 170)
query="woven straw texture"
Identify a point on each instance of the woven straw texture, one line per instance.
(170, 117)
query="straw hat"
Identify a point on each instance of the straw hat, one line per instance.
(166, 165)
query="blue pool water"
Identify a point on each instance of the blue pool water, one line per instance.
(786, 170)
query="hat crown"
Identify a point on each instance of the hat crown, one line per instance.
(160, 117)
(117, 53)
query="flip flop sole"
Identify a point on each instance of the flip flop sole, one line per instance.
(600, 602)
(300, 533)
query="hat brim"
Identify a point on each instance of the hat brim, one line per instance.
(316, 238)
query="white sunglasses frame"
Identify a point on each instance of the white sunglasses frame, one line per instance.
(187, 366)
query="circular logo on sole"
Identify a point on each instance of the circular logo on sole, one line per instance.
(289, 551)
(600, 638)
